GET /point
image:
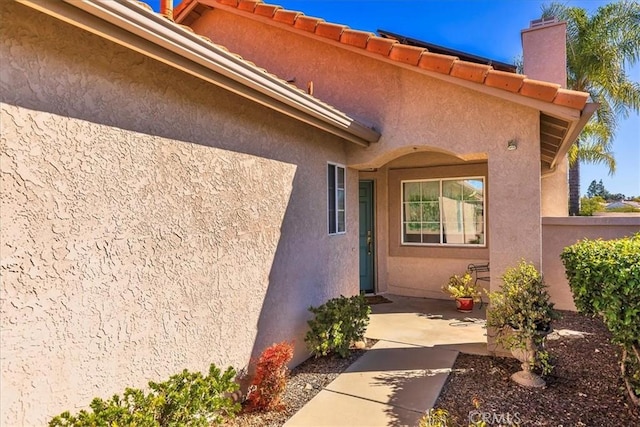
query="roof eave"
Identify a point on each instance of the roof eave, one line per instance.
(146, 32)
(574, 132)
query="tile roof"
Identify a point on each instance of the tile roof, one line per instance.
(358, 132)
(418, 57)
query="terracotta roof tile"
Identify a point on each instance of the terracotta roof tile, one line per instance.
(416, 56)
(330, 31)
(436, 62)
(248, 5)
(268, 10)
(504, 80)
(537, 89)
(406, 54)
(355, 38)
(307, 23)
(571, 98)
(380, 45)
(286, 16)
(470, 71)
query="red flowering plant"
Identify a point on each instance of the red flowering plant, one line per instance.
(270, 378)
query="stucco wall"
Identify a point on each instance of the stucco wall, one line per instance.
(415, 113)
(558, 233)
(150, 222)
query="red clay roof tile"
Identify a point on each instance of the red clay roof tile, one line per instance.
(436, 62)
(406, 54)
(248, 5)
(286, 16)
(268, 10)
(470, 71)
(571, 98)
(330, 31)
(307, 23)
(420, 57)
(380, 45)
(504, 80)
(537, 89)
(355, 38)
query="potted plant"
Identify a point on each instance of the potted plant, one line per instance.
(464, 291)
(522, 314)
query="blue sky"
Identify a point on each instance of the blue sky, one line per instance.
(489, 28)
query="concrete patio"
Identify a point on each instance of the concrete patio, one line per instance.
(401, 376)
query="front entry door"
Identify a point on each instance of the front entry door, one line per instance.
(366, 237)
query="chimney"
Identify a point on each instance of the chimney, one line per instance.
(166, 9)
(544, 50)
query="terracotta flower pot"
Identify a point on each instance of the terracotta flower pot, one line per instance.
(464, 305)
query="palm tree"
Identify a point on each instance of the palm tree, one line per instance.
(599, 47)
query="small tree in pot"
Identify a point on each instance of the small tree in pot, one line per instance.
(522, 313)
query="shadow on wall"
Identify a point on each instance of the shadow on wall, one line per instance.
(138, 93)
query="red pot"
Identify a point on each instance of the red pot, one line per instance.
(464, 305)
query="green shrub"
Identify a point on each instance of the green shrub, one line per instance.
(337, 323)
(522, 311)
(589, 206)
(270, 379)
(604, 277)
(187, 399)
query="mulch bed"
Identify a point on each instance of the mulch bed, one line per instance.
(306, 380)
(585, 388)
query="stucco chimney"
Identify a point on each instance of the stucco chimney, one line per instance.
(166, 8)
(544, 50)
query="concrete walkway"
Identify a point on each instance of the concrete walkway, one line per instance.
(399, 378)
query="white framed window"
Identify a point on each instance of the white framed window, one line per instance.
(447, 211)
(336, 212)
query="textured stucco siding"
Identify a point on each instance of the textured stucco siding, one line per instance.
(415, 114)
(149, 222)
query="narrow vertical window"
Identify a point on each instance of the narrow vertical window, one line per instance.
(336, 208)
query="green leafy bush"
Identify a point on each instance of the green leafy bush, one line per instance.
(187, 399)
(522, 311)
(270, 379)
(589, 206)
(337, 323)
(604, 277)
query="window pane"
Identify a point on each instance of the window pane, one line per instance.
(412, 212)
(331, 198)
(474, 223)
(412, 232)
(430, 191)
(341, 222)
(473, 190)
(340, 199)
(412, 191)
(431, 211)
(431, 232)
(452, 189)
(340, 177)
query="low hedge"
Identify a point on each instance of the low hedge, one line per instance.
(604, 276)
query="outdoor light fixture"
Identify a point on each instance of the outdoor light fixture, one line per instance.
(512, 145)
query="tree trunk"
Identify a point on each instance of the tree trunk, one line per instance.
(574, 188)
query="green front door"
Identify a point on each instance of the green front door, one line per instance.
(366, 237)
